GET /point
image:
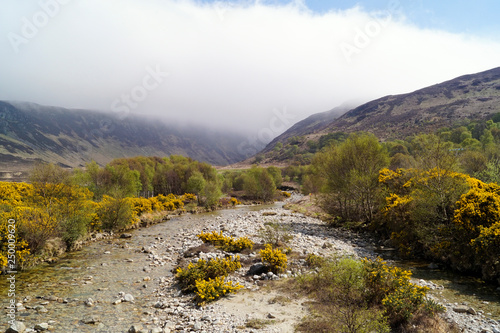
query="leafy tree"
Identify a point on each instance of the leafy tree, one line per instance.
(211, 194)
(196, 184)
(276, 175)
(491, 174)
(431, 151)
(401, 161)
(350, 173)
(123, 182)
(473, 162)
(116, 213)
(45, 173)
(259, 184)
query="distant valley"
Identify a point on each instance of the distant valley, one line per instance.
(70, 138)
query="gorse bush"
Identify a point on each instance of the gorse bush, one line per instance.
(42, 211)
(234, 202)
(213, 289)
(315, 261)
(159, 203)
(391, 286)
(365, 296)
(444, 215)
(340, 300)
(204, 270)
(275, 259)
(116, 214)
(239, 245)
(226, 243)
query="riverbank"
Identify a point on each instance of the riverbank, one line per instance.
(310, 235)
(129, 282)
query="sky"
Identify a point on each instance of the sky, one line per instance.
(252, 66)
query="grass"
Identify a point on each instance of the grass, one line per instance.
(280, 299)
(259, 323)
(338, 302)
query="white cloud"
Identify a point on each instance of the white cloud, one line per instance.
(228, 64)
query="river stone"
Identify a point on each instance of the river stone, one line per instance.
(136, 329)
(41, 327)
(128, 298)
(90, 320)
(460, 309)
(17, 327)
(126, 235)
(40, 309)
(471, 311)
(160, 305)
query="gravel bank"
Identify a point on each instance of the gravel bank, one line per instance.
(176, 312)
(163, 308)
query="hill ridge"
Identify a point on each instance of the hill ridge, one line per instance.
(72, 137)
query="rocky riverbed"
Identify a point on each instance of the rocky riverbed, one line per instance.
(129, 285)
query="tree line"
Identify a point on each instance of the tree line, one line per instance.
(430, 196)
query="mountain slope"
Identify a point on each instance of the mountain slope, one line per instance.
(474, 97)
(30, 132)
(469, 97)
(309, 125)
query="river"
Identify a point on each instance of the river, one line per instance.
(100, 271)
(105, 268)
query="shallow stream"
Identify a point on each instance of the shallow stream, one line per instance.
(105, 268)
(99, 271)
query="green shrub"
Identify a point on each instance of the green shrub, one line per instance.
(315, 261)
(116, 214)
(339, 288)
(275, 234)
(391, 287)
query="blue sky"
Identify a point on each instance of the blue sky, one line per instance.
(237, 65)
(459, 16)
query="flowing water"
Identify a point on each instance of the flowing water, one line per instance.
(100, 271)
(104, 269)
(458, 288)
